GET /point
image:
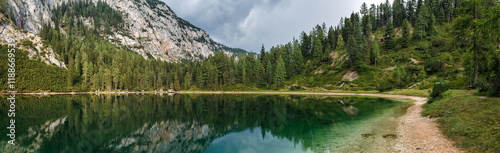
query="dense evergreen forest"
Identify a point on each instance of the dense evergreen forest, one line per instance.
(403, 44)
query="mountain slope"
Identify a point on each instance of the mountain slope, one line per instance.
(150, 27)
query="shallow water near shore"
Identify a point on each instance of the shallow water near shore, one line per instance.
(202, 123)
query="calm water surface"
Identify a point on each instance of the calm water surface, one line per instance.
(194, 123)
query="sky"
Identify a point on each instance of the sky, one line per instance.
(248, 24)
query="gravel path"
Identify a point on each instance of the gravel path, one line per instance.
(421, 134)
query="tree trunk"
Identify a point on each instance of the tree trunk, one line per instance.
(475, 49)
(470, 76)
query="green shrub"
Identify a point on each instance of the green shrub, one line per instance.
(437, 90)
(137, 89)
(490, 88)
(438, 41)
(384, 85)
(27, 43)
(422, 46)
(433, 66)
(295, 87)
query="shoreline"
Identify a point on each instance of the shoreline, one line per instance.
(415, 133)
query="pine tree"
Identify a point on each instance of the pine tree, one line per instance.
(305, 46)
(340, 43)
(353, 52)
(177, 84)
(421, 22)
(399, 12)
(199, 77)
(330, 41)
(263, 55)
(297, 59)
(317, 50)
(280, 73)
(244, 72)
(366, 27)
(374, 53)
(255, 69)
(187, 81)
(358, 34)
(348, 28)
(373, 17)
(116, 77)
(78, 64)
(389, 36)
(69, 75)
(108, 79)
(478, 24)
(86, 73)
(261, 75)
(406, 34)
(364, 9)
(410, 8)
(269, 72)
(341, 49)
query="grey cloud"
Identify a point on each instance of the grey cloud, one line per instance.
(249, 23)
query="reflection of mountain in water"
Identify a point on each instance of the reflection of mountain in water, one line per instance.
(183, 123)
(168, 136)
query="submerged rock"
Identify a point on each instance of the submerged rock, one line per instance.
(353, 111)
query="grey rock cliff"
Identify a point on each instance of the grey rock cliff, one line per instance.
(151, 27)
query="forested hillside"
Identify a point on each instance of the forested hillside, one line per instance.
(403, 44)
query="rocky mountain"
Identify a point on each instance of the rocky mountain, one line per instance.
(151, 28)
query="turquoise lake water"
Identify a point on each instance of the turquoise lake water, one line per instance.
(200, 123)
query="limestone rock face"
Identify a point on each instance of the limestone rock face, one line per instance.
(151, 27)
(37, 51)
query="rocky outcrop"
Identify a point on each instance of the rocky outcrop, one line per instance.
(350, 76)
(9, 31)
(151, 27)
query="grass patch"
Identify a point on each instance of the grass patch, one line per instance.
(409, 92)
(473, 122)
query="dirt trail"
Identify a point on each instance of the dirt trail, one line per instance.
(421, 134)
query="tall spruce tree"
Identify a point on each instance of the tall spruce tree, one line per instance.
(305, 46)
(269, 72)
(399, 12)
(478, 22)
(177, 82)
(280, 73)
(187, 81)
(410, 9)
(353, 50)
(421, 22)
(366, 27)
(341, 50)
(389, 36)
(244, 72)
(297, 59)
(406, 34)
(263, 55)
(317, 50)
(374, 53)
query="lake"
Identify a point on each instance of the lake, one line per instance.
(202, 123)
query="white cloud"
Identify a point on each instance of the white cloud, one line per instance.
(249, 23)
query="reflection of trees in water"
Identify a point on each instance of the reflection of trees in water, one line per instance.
(93, 122)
